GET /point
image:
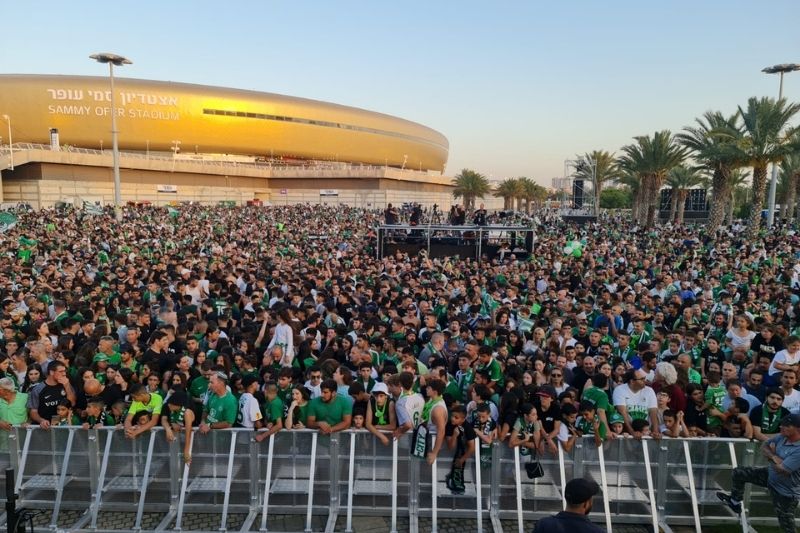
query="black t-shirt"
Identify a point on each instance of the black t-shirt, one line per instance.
(466, 434)
(45, 399)
(764, 347)
(695, 417)
(768, 422)
(549, 417)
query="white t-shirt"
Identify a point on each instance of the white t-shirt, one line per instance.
(249, 411)
(783, 357)
(637, 403)
(409, 408)
(737, 340)
(792, 401)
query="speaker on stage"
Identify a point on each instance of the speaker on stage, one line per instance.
(577, 193)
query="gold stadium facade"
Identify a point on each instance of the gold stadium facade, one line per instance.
(234, 145)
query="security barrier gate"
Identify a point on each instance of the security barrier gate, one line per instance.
(351, 474)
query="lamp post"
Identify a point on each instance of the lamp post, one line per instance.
(176, 147)
(773, 184)
(114, 60)
(10, 141)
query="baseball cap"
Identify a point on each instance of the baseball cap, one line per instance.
(547, 390)
(616, 418)
(790, 421)
(100, 358)
(579, 490)
(380, 387)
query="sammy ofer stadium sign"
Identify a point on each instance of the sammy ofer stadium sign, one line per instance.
(79, 102)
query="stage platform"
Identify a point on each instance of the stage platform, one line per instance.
(439, 241)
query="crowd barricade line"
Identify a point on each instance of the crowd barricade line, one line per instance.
(301, 472)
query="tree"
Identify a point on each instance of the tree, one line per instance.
(616, 198)
(469, 185)
(532, 192)
(651, 158)
(630, 181)
(600, 164)
(680, 179)
(712, 144)
(507, 190)
(790, 176)
(766, 140)
(740, 189)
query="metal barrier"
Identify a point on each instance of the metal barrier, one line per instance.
(663, 483)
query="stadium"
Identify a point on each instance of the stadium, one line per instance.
(183, 142)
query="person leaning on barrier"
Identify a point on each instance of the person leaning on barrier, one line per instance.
(578, 494)
(143, 402)
(179, 417)
(221, 408)
(13, 405)
(781, 477)
(43, 399)
(330, 412)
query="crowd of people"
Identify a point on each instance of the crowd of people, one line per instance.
(279, 318)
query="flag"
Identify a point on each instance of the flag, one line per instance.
(7, 221)
(92, 209)
(172, 212)
(103, 257)
(24, 241)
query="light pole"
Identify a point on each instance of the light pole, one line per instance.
(773, 184)
(114, 60)
(10, 141)
(176, 147)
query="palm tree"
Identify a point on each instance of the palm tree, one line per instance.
(712, 144)
(651, 158)
(680, 180)
(632, 182)
(738, 182)
(790, 174)
(532, 192)
(507, 190)
(766, 140)
(600, 164)
(470, 184)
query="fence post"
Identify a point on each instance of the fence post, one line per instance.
(494, 489)
(145, 478)
(734, 464)
(692, 492)
(311, 471)
(650, 492)
(563, 473)
(661, 482)
(184, 484)
(395, 444)
(350, 475)
(518, 483)
(604, 481)
(434, 497)
(478, 483)
(62, 479)
(228, 479)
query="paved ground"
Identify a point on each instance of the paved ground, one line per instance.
(295, 523)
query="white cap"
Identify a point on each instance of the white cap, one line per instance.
(380, 387)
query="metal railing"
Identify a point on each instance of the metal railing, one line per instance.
(350, 474)
(279, 168)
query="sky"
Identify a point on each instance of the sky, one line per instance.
(516, 87)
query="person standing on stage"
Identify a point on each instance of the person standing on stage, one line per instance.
(390, 215)
(479, 218)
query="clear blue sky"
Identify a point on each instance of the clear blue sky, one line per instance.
(517, 87)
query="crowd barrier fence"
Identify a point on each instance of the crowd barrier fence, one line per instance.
(664, 483)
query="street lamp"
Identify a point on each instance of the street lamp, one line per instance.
(773, 184)
(176, 147)
(10, 141)
(114, 60)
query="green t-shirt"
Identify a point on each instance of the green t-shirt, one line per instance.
(332, 412)
(495, 372)
(273, 410)
(153, 406)
(15, 412)
(198, 387)
(599, 398)
(586, 427)
(221, 409)
(713, 397)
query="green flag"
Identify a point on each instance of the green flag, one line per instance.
(7, 221)
(173, 212)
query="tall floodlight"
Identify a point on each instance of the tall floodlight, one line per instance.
(118, 61)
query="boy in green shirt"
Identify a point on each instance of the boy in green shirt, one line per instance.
(713, 406)
(273, 410)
